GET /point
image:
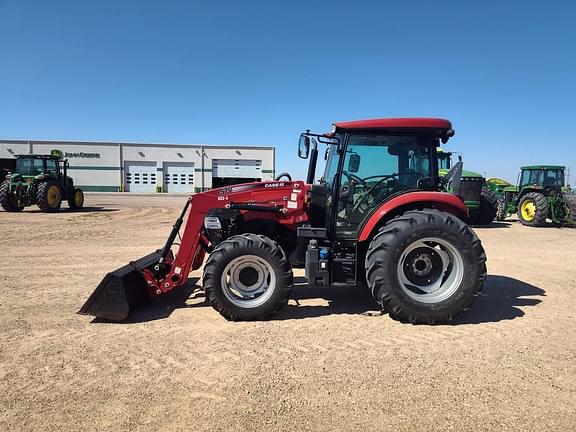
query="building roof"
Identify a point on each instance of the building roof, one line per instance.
(396, 123)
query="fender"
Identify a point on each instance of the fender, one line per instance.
(441, 200)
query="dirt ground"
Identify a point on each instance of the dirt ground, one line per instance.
(328, 361)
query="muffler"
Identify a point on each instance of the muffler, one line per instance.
(120, 290)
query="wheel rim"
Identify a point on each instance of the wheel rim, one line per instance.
(248, 281)
(528, 210)
(54, 196)
(430, 270)
(78, 198)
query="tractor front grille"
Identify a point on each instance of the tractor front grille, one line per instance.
(471, 188)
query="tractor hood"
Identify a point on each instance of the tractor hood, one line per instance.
(465, 173)
(284, 198)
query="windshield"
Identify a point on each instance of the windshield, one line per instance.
(29, 166)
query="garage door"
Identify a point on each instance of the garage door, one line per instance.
(140, 176)
(178, 177)
(226, 172)
(237, 168)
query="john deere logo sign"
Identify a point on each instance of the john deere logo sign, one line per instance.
(78, 155)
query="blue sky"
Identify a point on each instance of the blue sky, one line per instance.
(260, 72)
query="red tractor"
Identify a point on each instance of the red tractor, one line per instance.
(375, 218)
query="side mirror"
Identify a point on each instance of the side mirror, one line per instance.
(304, 146)
(354, 163)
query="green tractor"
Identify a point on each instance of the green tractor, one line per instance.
(480, 200)
(540, 195)
(40, 180)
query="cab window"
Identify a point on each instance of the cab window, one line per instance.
(52, 166)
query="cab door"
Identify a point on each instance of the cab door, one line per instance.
(375, 167)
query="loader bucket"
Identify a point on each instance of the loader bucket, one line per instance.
(120, 290)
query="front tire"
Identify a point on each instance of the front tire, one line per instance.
(533, 209)
(49, 196)
(425, 267)
(7, 200)
(247, 277)
(76, 200)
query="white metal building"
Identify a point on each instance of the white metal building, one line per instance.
(132, 167)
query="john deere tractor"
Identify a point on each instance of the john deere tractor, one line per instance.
(479, 199)
(540, 195)
(40, 180)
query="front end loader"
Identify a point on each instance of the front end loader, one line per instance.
(375, 218)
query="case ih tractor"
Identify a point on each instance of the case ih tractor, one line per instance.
(481, 201)
(375, 218)
(40, 180)
(540, 195)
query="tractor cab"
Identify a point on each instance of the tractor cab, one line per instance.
(35, 165)
(368, 163)
(542, 176)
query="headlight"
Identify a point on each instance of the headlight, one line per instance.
(212, 222)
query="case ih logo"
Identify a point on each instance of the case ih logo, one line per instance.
(273, 185)
(224, 190)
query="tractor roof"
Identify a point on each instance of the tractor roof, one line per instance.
(396, 123)
(539, 167)
(38, 156)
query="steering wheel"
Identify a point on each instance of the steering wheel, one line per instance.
(354, 177)
(284, 174)
(379, 182)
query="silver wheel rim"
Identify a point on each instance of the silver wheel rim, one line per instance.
(430, 270)
(248, 281)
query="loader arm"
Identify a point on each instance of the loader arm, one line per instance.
(165, 270)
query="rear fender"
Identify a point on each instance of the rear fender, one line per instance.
(446, 202)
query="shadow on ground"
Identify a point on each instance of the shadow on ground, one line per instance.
(502, 299)
(494, 225)
(187, 296)
(80, 210)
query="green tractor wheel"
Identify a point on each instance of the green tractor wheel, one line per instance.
(76, 199)
(7, 201)
(500, 209)
(570, 202)
(533, 209)
(486, 211)
(49, 196)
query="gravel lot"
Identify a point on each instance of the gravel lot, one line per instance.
(328, 361)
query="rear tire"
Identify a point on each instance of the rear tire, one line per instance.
(486, 212)
(533, 209)
(425, 267)
(7, 201)
(247, 277)
(76, 200)
(501, 209)
(49, 196)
